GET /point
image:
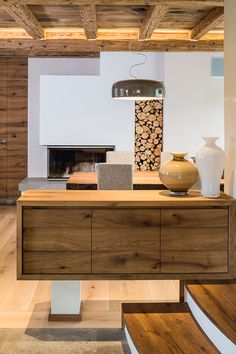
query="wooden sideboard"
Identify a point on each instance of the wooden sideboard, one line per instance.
(125, 235)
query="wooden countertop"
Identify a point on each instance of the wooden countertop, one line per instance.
(114, 198)
(142, 180)
(139, 177)
(147, 180)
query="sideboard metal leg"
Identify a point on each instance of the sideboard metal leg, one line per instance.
(65, 301)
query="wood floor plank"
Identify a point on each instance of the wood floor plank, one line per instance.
(95, 295)
(164, 290)
(41, 300)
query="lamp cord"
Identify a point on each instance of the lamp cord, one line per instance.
(138, 64)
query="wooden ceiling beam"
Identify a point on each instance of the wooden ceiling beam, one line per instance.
(152, 20)
(69, 47)
(25, 19)
(209, 22)
(89, 20)
(181, 3)
(104, 34)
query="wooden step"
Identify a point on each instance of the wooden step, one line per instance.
(218, 303)
(164, 328)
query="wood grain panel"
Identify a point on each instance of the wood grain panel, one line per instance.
(17, 97)
(123, 15)
(194, 241)
(56, 217)
(12, 187)
(126, 200)
(56, 262)
(183, 218)
(126, 241)
(60, 238)
(126, 218)
(164, 329)
(57, 239)
(218, 302)
(18, 68)
(3, 121)
(177, 262)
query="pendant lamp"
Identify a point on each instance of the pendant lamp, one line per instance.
(138, 89)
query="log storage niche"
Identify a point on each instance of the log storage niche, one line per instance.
(148, 134)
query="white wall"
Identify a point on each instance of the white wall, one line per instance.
(230, 98)
(194, 104)
(82, 112)
(71, 114)
(79, 110)
(37, 154)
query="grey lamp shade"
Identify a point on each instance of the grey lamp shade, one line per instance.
(138, 90)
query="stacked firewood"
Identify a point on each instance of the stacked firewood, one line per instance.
(148, 134)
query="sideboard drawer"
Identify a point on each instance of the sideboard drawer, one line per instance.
(56, 217)
(194, 240)
(56, 262)
(56, 241)
(126, 241)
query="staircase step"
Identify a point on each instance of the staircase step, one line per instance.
(164, 328)
(218, 303)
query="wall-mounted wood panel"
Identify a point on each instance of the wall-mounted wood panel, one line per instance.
(3, 125)
(13, 124)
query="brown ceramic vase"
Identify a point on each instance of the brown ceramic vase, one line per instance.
(179, 174)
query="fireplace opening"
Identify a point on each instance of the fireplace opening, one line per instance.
(63, 161)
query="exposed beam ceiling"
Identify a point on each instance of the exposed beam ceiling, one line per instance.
(152, 20)
(76, 47)
(25, 19)
(89, 20)
(105, 34)
(164, 25)
(181, 3)
(212, 20)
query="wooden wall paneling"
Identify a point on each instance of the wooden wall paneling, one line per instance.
(3, 121)
(17, 124)
(126, 241)
(191, 246)
(232, 245)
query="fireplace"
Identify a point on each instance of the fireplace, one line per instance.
(63, 161)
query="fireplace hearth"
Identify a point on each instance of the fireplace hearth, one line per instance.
(63, 161)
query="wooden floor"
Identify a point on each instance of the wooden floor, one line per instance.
(26, 303)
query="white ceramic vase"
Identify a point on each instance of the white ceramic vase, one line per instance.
(210, 160)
